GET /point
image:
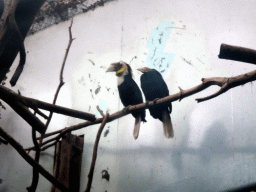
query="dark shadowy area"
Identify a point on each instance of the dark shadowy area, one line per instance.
(56, 11)
(24, 16)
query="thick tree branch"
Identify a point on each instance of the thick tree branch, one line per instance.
(33, 103)
(224, 82)
(14, 27)
(30, 160)
(95, 150)
(9, 96)
(237, 53)
(25, 12)
(23, 111)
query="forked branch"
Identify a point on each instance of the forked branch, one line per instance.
(224, 82)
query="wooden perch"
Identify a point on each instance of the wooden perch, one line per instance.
(29, 159)
(236, 53)
(10, 97)
(224, 82)
(58, 109)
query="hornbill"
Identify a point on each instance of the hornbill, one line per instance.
(154, 87)
(129, 92)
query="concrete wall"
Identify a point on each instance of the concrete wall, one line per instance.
(214, 144)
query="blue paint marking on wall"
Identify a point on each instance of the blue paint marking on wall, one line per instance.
(102, 106)
(156, 58)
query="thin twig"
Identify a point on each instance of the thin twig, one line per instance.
(94, 155)
(35, 177)
(37, 111)
(100, 111)
(38, 146)
(17, 146)
(50, 145)
(61, 73)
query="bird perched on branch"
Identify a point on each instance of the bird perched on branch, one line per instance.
(154, 87)
(129, 92)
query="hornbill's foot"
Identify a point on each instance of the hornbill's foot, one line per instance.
(126, 108)
(155, 100)
(147, 102)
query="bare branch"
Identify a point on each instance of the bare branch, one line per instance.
(237, 53)
(61, 73)
(100, 111)
(9, 97)
(35, 177)
(48, 146)
(122, 113)
(34, 183)
(227, 83)
(220, 81)
(17, 146)
(37, 111)
(33, 103)
(94, 156)
(20, 44)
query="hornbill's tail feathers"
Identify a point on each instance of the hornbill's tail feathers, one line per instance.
(137, 127)
(167, 124)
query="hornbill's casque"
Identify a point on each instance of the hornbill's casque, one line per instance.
(154, 87)
(129, 92)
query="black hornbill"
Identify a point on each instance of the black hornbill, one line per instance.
(154, 87)
(129, 92)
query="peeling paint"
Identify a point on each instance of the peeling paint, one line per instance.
(91, 61)
(97, 90)
(106, 133)
(188, 62)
